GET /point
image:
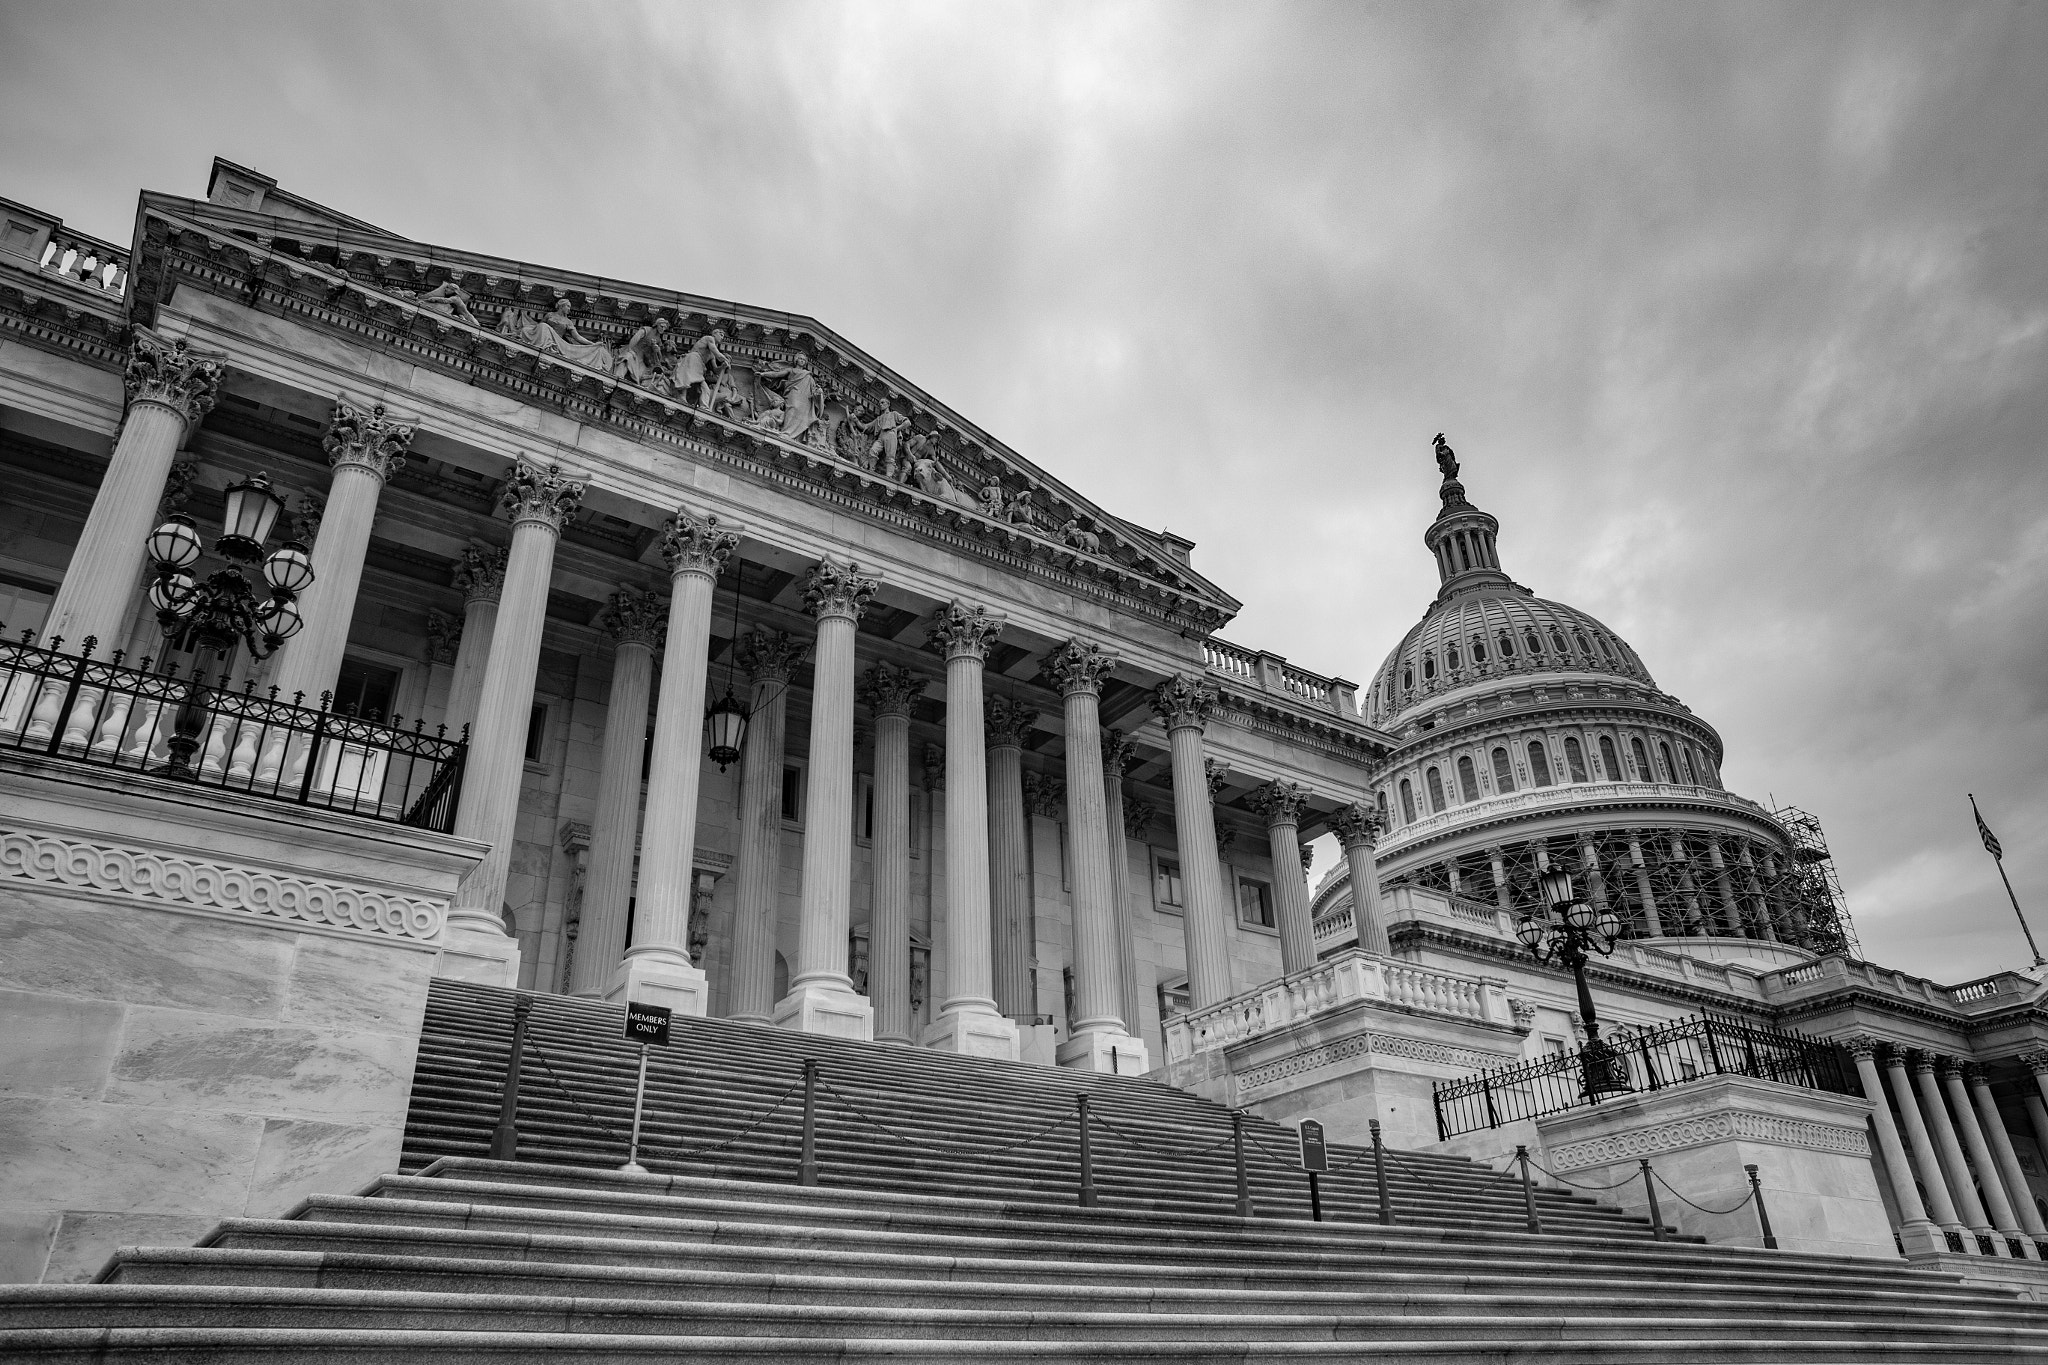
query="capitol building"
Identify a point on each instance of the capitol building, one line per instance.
(398, 640)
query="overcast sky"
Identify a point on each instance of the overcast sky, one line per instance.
(1736, 315)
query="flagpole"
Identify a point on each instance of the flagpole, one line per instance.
(1998, 859)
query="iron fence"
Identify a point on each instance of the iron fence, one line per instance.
(1654, 1059)
(210, 733)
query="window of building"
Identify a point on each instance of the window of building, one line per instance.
(1535, 645)
(1553, 1045)
(1381, 798)
(1574, 759)
(1503, 772)
(1539, 764)
(1453, 658)
(1468, 780)
(1254, 903)
(536, 733)
(1557, 643)
(1609, 762)
(1407, 802)
(24, 605)
(1435, 781)
(1407, 680)
(864, 808)
(1507, 645)
(1478, 651)
(1635, 751)
(366, 690)
(1428, 667)
(1173, 998)
(1685, 756)
(1167, 892)
(793, 793)
(1664, 752)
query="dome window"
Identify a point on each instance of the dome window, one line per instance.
(1535, 644)
(1539, 764)
(1609, 760)
(1468, 780)
(1574, 759)
(1664, 752)
(1428, 667)
(1381, 799)
(1503, 772)
(1407, 802)
(1642, 758)
(1407, 680)
(1557, 642)
(1478, 652)
(1507, 645)
(1435, 780)
(1453, 658)
(1685, 756)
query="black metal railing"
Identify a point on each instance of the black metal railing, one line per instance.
(209, 732)
(1673, 1054)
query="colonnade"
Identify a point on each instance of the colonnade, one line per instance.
(1975, 1204)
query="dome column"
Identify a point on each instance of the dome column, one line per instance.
(1653, 924)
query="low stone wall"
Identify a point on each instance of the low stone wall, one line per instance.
(210, 1004)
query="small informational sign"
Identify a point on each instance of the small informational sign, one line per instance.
(647, 1024)
(1314, 1155)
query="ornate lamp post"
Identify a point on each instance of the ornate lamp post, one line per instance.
(224, 611)
(1566, 930)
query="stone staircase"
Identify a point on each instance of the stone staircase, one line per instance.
(908, 1252)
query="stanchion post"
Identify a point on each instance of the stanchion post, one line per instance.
(1244, 1180)
(1379, 1172)
(633, 1166)
(1763, 1215)
(1087, 1157)
(807, 1164)
(505, 1137)
(1315, 1198)
(1656, 1214)
(1528, 1191)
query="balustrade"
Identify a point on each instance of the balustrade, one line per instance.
(87, 260)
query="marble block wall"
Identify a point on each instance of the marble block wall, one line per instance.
(211, 1007)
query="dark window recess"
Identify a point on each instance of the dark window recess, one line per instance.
(1255, 903)
(364, 690)
(792, 793)
(867, 814)
(536, 732)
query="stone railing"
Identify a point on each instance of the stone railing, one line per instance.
(1568, 794)
(1844, 973)
(1348, 977)
(1400, 903)
(1271, 673)
(91, 262)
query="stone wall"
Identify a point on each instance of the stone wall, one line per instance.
(212, 1007)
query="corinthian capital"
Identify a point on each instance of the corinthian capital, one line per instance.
(1280, 802)
(159, 370)
(634, 616)
(694, 544)
(1182, 701)
(1045, 795)
(891, 691)
(961, 631)
(830, 591)
(1358, 825)
(2036, 1061)
(1116, 753)
(1862, 1045)
(1078, 666)
(543, 495)
(1007, 722)
(1215, 772)
(1138, 818)
(480, 573)
(768, 655)
(366, 437)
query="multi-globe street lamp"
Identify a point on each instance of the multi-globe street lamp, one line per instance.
(1566, 930)
(224, 610)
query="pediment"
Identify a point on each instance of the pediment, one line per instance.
(778, 388)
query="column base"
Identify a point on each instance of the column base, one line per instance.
(659, 979)
(478, 949)
(837, 1011)
(973, 1033)
(1108, 1051)
(1921, 1238)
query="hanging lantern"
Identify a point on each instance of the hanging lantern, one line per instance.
(727, 721)
(252, 510)
(289, 569)
(171, 594)
(1557, 888)
(175, 544)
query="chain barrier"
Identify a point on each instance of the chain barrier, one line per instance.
(1747, 1199)
(1580, 1184)
(1146, 1145)
(1421, 1179)
(669, 1150)
(951, 1149)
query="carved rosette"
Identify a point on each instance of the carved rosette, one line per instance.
(1045, 796)
(634, 616)
(1183, 702)
(1117, 752)
(1356, 825)
(160, 370)
(963, 631)
(480, 573)
(1138, 816)
(888, 691)
(444, 636)
(1078, 666)
(691, 544)
(543, 496)
(1280, 802)
(1006, 722)
(934, 767)
(1215, 772)
(768, 655)
(834, 592)
(366, 437)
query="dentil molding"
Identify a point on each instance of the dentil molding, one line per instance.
(164, 878)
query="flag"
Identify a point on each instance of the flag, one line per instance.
(1984, 833)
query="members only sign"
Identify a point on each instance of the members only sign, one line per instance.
(647, 1024)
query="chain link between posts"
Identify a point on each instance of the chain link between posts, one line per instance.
(950, 1149)
(646, 1140)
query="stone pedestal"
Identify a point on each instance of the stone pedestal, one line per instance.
(828, 1008)
(1111, 1052)
(1810, 1149)
(651, 979)
(975, 1033)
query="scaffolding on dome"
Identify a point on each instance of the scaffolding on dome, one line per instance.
(1813, 884)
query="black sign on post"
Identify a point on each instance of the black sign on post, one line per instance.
(647, 1024)
(1314, 1155)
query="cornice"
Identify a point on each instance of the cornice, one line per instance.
(1456, 726)
(1326, 730)
(1394, 851)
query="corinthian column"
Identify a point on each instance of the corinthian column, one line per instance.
(1961, 1188)
(1009, 858)
(634, 618)
(968, 1020)
(365, 448)
(1996, 1206)
(480, 577)
(1916, 1233)
(1939, 1206)
(1281, 803)
(769, 657)
(1116, 756)
(2008, 1159)
(1099, 1039)
(479, 943)
(1358, 829)
(658, 969)
(169, 387)
(1184, 704)
(821, 997)
(891, 694)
